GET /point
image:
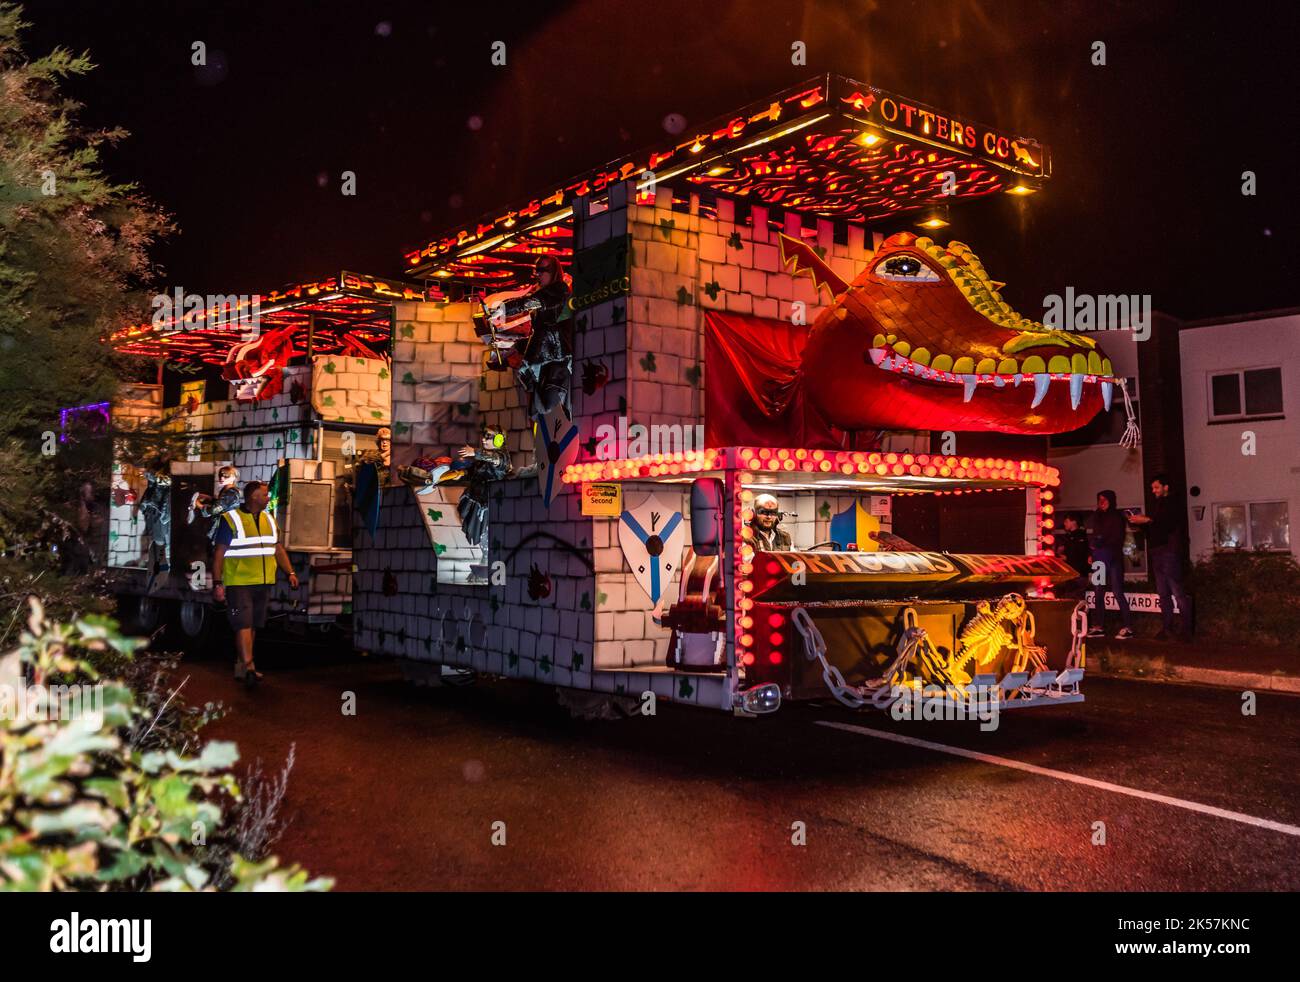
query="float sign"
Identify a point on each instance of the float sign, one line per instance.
(602, 499)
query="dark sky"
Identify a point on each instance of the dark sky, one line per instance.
(1148, 150)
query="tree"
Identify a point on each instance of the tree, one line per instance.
(74, 264)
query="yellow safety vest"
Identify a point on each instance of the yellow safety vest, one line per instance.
(250, 557)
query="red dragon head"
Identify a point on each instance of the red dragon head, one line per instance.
(922, 340)
(254, 368)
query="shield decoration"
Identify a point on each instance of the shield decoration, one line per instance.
(556, 447)
(652, 536)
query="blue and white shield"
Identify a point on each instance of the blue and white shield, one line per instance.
(555, 445)
(652, 536)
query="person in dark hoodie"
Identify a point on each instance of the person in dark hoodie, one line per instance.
(1106, 528)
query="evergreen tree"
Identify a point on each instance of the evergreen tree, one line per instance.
(74, 264)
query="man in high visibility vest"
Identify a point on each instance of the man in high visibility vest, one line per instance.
(243, 571)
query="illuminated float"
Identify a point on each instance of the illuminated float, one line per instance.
(746, 320)
(293, 388)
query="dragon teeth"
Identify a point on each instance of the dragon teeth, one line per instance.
(1076, 390)
(968, 382)
(1041, 382)
(1107, 393)
(876, 355)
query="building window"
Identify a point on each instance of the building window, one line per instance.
(1251, 394)
(1263, 525)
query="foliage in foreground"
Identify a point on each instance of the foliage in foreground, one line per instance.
(87, 804)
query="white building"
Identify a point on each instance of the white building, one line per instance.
(1241, 425)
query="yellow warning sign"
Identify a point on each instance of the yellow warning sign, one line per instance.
(602, 499)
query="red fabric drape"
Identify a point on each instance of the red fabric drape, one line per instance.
(754, 390)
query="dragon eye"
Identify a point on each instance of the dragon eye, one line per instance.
(907, 268)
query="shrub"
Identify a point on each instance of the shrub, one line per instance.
(82, 807)
(1248, 597)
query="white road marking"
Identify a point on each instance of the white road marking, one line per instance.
(1019, 765)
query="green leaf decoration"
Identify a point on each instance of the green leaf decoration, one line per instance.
(601, 598)
(545, 665)
(820, 250)
(579, 659)
(383, 373)
(648, 361)
(399, 427)
(666, 226)
(512, 659)
(684, 688)
(734, 242)
(585, 604)
(824, 511)
(408, 379)
(328, 401)
(329, 367)
(712, 288)
(408, 330)
(694, 373)
(439, 548)
(377, 413)
(434, 515)
(684, 298)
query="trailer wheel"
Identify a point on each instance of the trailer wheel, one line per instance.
(148, 612)
(194, 616)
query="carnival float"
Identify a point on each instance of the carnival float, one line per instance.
(705, 423)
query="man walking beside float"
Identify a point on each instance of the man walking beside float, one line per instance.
(248, 553)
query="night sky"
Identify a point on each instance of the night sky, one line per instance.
(1148, 151)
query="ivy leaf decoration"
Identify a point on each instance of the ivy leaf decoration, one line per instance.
(694, 373)
(713, 288)
(648, 361)
(684, 298)
(734, 242)
(666, 226)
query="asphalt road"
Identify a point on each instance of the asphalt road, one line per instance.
(404, 795)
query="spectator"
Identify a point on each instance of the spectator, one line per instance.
(1166, 530)
(1072, 546)
(1106, 528)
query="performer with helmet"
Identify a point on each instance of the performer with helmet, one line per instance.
(768, 535)
(489, 462)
